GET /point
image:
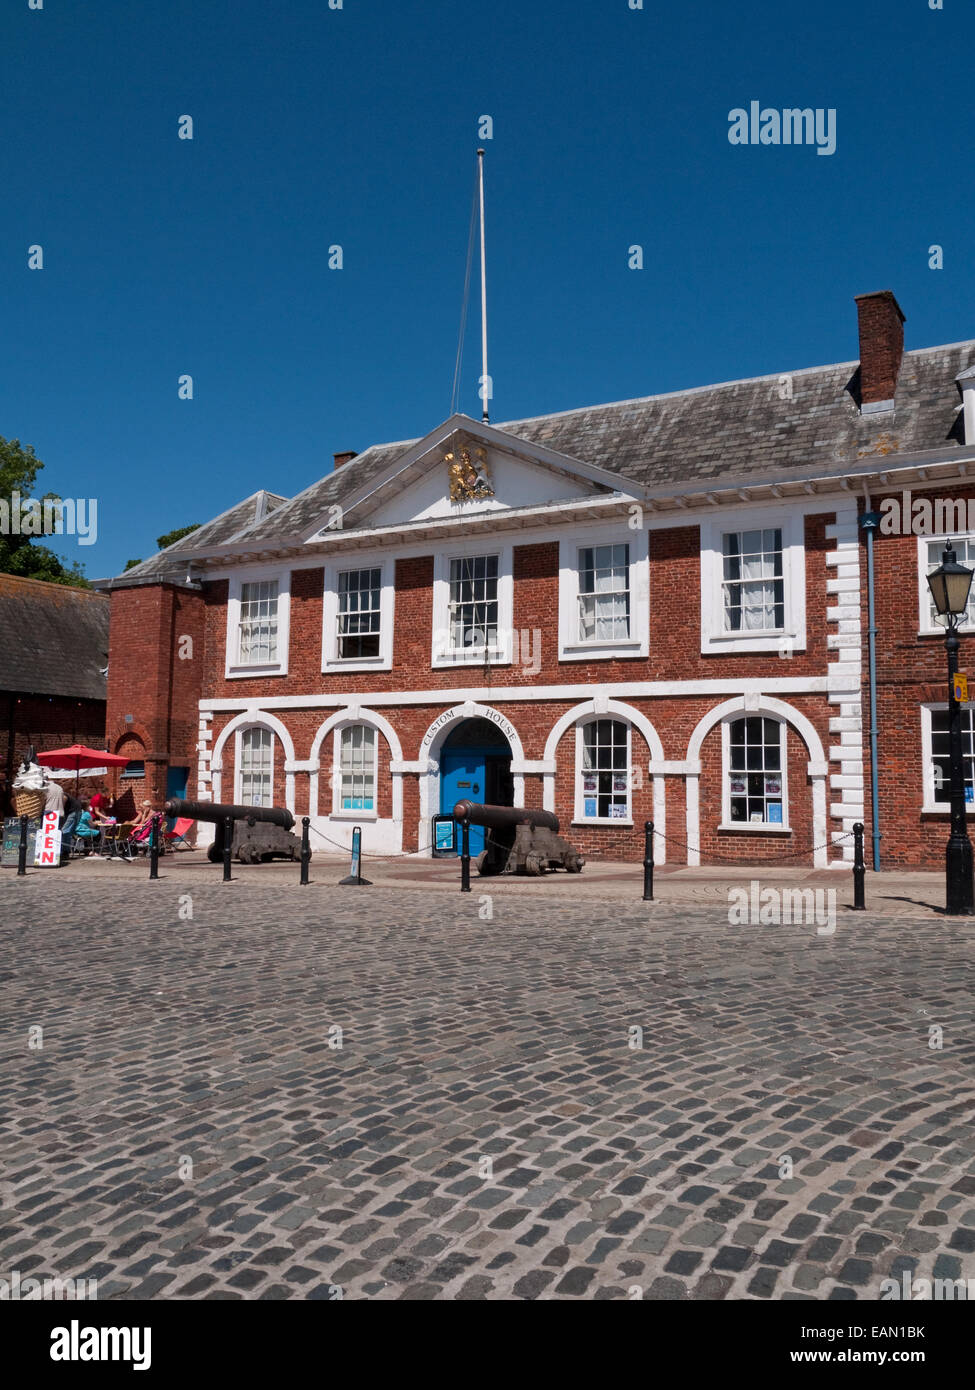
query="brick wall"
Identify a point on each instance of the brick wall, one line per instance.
(46, 721)
(911, 670)
(156, 663)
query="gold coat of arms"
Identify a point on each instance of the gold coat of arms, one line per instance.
(468, 472)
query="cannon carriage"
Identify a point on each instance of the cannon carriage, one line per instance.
(259, 832)
(519, 841)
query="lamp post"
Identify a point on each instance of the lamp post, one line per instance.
(950, 584)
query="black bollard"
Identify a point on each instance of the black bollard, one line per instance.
(22, 852)
(305, 848)
(465, 856)
(228, 846)
(648, 863)
(154, 848)
(859, 873)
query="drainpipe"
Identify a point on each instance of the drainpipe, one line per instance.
(869, 521)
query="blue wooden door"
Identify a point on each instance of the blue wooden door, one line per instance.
(462, 779)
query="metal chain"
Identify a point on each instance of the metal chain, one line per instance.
(737, 863)
(668, 839)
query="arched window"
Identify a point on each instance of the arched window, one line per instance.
(603, 770)
(255, 767)
(755, 772)
(355, 769)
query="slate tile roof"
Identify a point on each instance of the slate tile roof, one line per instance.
(233, 522)
(741, 430)
(53, 639)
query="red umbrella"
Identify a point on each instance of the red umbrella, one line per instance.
(77, 757)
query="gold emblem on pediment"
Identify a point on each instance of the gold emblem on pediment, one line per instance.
(467, 470)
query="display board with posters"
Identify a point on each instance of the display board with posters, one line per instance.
(9, 854)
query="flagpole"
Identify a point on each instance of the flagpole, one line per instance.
(484, 368)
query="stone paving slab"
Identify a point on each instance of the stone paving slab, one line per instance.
(577, 1100)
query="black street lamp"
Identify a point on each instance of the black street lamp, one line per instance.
(950, 584)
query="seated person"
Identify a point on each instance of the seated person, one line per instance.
(84, 830)
(139, 837)
(72, 810)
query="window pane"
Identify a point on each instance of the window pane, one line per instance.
(357, 768)
(754, 590)
(605, 770)
(604, 593)
(473, 606)
(941, 758)
(358, 615)
(965, 555)
(754, 771)
(256, 767)
(258, 624)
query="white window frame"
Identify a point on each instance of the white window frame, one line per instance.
(571, 648)
(234, 669)
(929, 806)
(338, 812)
(239, 757)
(792, 635)
(927, 628)
(331, 661)
(441, 653)
(579, 817)
(753, 827)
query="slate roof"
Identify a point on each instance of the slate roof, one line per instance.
(741, 430)
(53, 639)
(224, 527)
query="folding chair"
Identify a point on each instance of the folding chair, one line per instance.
(176, 838)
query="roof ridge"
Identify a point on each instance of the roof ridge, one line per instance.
(50, 584)
(722, 385)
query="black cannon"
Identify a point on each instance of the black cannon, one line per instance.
(519, 841)
(260, 832)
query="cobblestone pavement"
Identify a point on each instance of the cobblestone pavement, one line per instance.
(488, 1127)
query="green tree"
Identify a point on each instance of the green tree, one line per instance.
(21, 555)
(171, 537)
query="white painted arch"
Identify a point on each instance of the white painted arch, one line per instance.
(601, 707)
(428, 764)
(250, 719)
(817, 767)
(354, 714)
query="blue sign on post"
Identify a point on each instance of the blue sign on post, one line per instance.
(354, 876)
(356, 851)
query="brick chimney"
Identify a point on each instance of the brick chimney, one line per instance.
(344, 457)
(881, 323)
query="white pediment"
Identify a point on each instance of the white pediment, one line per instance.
(515, 483)
(511, 473)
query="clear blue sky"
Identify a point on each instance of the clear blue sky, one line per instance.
(358, 126)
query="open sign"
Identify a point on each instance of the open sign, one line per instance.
(47, 847)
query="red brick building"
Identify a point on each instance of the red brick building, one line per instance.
(654, 609)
